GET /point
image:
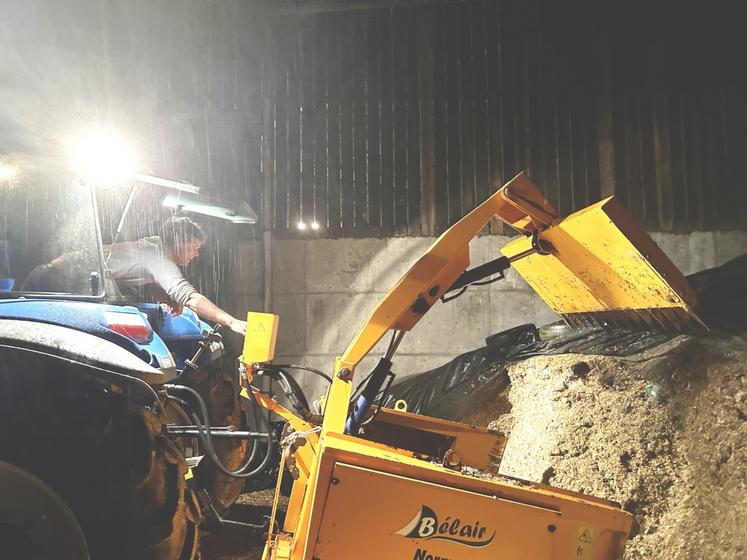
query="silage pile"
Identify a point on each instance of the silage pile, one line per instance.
(664, 434)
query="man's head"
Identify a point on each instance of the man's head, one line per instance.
(184, 238)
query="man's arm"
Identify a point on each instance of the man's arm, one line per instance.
(206, 309)
(166, 274)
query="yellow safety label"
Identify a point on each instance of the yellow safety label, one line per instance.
(188, 474)
(261, 334)
(583, 548)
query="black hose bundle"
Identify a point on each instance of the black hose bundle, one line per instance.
(291, 388)
(203, 428)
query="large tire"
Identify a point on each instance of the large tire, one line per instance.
(221, 396)
(35, 522)
(103, 452)
(159, 512)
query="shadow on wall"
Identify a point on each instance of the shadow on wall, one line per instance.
(326, 289)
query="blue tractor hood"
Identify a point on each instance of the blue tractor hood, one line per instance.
(182, 333)
(94, 318)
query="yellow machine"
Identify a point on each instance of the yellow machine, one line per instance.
(373, 483)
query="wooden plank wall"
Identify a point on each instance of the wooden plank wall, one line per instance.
(398, 120)
(180, 79)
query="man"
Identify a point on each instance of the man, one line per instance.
(154, 263)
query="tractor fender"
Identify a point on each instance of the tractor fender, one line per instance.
(78, 346)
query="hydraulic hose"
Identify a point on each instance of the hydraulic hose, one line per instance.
(207, 441)
(189, 411)
(317, 372)
(291, 389)
(185, 411)
(295, 394)
(368, 396)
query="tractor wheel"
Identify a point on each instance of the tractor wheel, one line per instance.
(158, 511)
(104, 454)
(225, 409)
(35, 522)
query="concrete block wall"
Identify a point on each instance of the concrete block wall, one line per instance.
(244, 288)
(701, 250)
(324, 289)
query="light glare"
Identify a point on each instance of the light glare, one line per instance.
(6, 171)
(315, 225)
(301, 225)
(104, 156)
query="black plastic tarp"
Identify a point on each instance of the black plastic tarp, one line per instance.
(450, 390)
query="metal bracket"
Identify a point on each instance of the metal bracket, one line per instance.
(212, 336)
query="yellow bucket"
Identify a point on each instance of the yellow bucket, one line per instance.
(600, 268)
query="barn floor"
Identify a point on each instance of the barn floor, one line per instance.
(236, 544)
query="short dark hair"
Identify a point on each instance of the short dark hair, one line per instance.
(183, 229)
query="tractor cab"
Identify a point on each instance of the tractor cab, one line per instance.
(49, 241)
(53, 266)
(103, 391)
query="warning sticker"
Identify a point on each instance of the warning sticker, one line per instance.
(583, 548)
(259, 342)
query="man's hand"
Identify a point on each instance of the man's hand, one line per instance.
(175, 308)
(206, 309)
(238, 326)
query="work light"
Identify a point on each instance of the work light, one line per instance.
(103, 155)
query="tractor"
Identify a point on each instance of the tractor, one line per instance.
(102, 398)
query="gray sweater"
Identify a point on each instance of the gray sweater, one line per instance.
(134, 264)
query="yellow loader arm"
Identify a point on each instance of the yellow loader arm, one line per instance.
(380, 495)
(595, 266)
